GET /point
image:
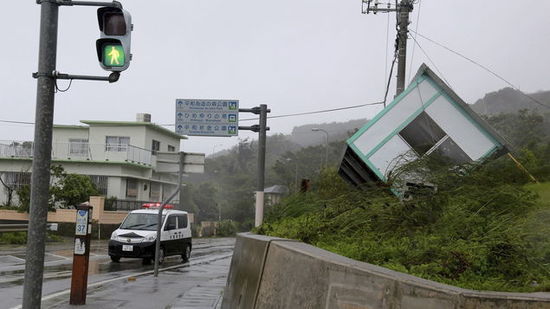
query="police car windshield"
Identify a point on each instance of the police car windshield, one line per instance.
(141, 221)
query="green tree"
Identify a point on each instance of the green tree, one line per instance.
(66, 190)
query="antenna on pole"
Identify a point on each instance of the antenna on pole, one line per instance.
(402, 10)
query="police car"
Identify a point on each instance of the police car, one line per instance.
(136, 236)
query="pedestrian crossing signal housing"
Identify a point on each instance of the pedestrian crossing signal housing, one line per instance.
(113, 46)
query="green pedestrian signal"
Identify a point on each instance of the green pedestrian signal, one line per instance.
(113, 46)
(113, 55)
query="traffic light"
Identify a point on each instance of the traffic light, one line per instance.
(113, 47)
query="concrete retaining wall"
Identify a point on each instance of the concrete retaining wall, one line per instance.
(269, 272)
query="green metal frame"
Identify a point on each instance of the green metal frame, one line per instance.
(413, 86)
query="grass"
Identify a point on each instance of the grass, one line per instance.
(476, 231)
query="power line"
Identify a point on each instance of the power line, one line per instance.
(483, 67)
(432, 62)
(416, 31)
(17, 122)
(304, 113)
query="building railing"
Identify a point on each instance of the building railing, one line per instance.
(80, 151)
(126, 205)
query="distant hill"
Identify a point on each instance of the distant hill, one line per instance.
(508, 100)
(337, 131)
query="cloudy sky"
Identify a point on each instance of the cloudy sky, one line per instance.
(295, 56)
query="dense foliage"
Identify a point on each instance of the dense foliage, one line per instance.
(485, 227)
(479, 230)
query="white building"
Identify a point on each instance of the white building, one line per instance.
(118, 156)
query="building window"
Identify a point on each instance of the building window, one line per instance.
(422, 133)
(154, 192)
(78, 146)
(155, 146)
(131, 187)
(117, 143)
(101, 183)
(16, 180)
(427, 138)
(171, 148)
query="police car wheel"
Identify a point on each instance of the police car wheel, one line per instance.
(115, 259)
(186, 253)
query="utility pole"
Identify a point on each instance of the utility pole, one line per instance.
(261, 166)
(403, 32)
(40, 179)
(261, 128)
(402, 9)
(42, 153)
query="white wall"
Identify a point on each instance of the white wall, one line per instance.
(63, 134)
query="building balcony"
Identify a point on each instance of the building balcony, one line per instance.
(118, 153)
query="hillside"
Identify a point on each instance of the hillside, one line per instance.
(508, 100)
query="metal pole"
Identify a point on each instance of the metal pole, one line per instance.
(403, 14)
(159, 223)
(180, 181)
(296, 176)
(261, 166)
(326, 148)
(326, 144)
(40, 181)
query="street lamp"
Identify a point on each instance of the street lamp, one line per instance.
(326, 143)
(295, 172)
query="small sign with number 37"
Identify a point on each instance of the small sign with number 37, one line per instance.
(81, 222)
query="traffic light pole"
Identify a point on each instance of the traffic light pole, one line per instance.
(262, 128)
(42, 153)
(40, 179)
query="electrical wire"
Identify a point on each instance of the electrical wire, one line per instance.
(483, 67)
(387, 43)
(64, 90)
(17, 122)
(416, 31)
(304, 113)
(433, 63)
(316, 112)
(389, 78)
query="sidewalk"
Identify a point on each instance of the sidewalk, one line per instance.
(198, 285)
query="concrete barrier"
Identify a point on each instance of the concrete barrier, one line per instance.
(271, 272)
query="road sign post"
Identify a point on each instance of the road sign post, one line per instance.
(196, 117)
(81, 254)
(262, 128)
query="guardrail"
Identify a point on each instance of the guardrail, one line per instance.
(13, 227)
(23, 227)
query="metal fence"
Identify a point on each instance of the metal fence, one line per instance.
(13, 227)
(127, 205)
(80, 151)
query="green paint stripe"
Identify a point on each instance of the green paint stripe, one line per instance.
(488, 153)
(398, 99)
(404, 124)
(465, 114)
(82, 162)
(368, 163)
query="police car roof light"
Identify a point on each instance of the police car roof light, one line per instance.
(157, 205)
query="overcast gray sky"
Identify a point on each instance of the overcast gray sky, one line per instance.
(294, 55)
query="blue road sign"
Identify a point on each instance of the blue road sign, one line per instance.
(203, 117)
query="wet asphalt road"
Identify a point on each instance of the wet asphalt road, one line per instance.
(209, 265)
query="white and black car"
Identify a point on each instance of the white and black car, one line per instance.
(136, 236)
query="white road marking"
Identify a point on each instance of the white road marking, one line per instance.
(61, 293)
